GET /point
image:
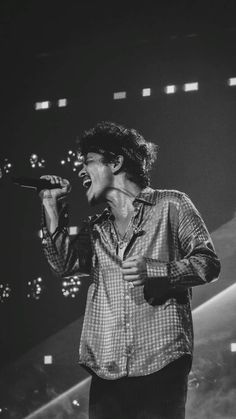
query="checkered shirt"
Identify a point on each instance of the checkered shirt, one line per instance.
(137, 331)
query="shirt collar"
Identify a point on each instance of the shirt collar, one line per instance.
(147, 195)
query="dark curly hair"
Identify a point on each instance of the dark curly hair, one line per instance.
(111, 139)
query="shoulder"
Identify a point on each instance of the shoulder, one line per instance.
(170, 196)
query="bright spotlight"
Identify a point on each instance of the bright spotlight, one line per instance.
(119, 95)
(146, 92)
(233, 347)
(170, 89)
(232, 81)
(47, 359)
(191, 87)
(62, 103)
(42, 105)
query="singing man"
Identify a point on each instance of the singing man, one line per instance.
(144, 253)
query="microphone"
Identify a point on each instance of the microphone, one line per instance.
(33, 183)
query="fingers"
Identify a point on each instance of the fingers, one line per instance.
(56, 180)
(56, 193)
(134, 270)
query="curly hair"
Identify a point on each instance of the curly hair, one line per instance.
(110, 140)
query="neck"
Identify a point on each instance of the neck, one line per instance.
(120, 199)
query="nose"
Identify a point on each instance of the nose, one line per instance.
(82, 172)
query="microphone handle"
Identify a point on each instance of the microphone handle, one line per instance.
(37, 184)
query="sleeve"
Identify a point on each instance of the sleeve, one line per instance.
(67, 256)
(199, 263)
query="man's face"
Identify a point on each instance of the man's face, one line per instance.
(97, 178)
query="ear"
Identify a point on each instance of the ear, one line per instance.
(117, 164)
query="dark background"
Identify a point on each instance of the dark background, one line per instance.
(86, 51)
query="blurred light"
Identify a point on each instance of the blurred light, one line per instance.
(146, 92)
(62, 103)
(5, 292)
(170, 89)
(35, 288)
(190, 87)
(71, 286)
(36, 161)
(232, 81)
(48, 359)
(233, 347)
(119, 95)
(5, 167)
(73, 160)
(42, 105)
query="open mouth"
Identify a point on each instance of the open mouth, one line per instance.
(87, 182)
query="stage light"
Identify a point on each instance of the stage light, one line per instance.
(233, 347)
(119, 95)
(42, 105)
(170, 89)
(5, 291)
(35, 288)
(5, 167)
(48, 359)
(232, 81)
(73, 230)
(191, 87)
(146, 92)
(62, 103)
(36, 161)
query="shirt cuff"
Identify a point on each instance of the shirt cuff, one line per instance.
(156, 269)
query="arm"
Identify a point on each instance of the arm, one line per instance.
(65, 256)
(199, 263)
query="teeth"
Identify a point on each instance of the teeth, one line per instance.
(87, 182)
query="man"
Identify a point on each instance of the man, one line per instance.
(144, 253)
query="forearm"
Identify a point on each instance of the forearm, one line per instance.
(65, 255)
(51, 215)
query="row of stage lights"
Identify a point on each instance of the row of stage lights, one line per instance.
(36, 288)
(169, 89)
(72, 161)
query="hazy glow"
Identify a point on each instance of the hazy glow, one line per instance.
(215, 298)
(60, 398)
(170, 89)
(119, 95)
(190, 87)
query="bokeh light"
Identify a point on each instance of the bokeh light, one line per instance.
(71, 286)
(5, 292)
(35, 288)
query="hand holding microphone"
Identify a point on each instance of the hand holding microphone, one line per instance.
(54, 188)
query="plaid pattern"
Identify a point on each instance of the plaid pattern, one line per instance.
(137, 331)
